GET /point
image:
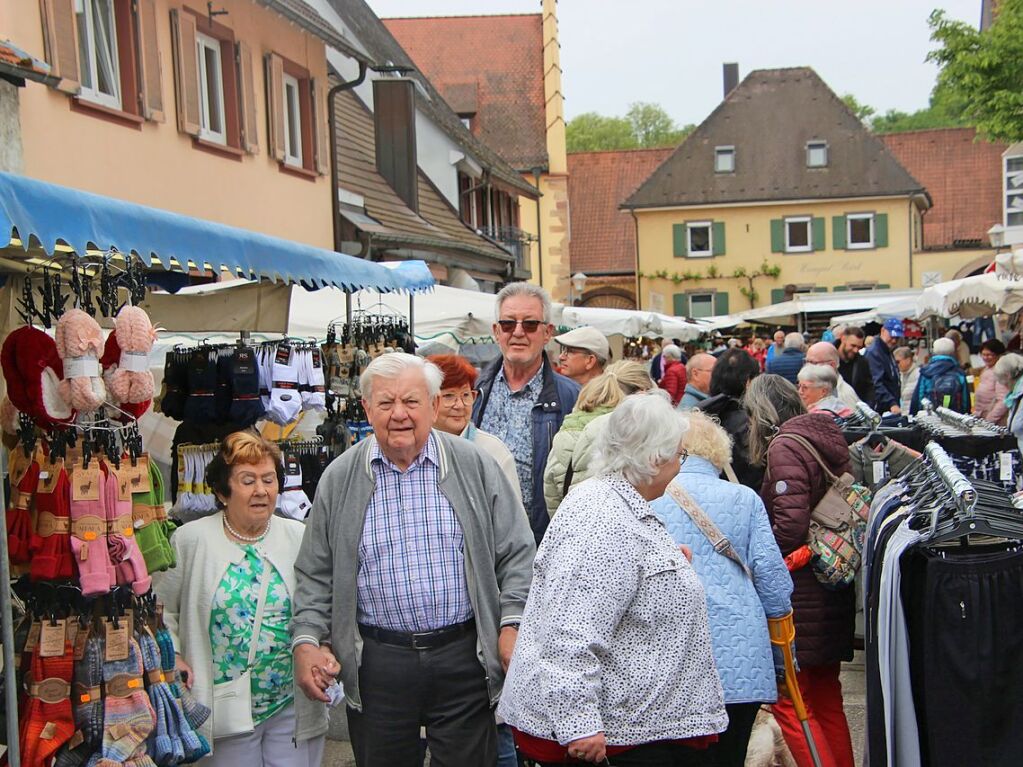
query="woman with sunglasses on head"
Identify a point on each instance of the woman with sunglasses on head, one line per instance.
(613, 663)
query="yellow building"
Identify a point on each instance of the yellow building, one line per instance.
(216, 116)
(780, 190)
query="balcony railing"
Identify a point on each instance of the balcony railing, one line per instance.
(516, 241)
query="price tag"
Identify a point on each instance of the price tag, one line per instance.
(73, 627)
(32, 641)
(85, 483)
(138, 475)
(1005, 473)
(80, 641)
(48, 477)
(51, 640)
(18, 467)
(123, 476)
(116, 640)
(880, 471)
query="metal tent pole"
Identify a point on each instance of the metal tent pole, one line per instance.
(412, 316)
(7, 621)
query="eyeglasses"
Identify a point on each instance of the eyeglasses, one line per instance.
(575, 350)
(682, 454)
(450, 399)
(528, 326)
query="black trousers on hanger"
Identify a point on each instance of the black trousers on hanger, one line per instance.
(964, 613)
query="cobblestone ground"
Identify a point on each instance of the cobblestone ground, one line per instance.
(339, 752)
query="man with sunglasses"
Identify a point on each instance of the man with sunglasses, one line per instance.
(522, 400)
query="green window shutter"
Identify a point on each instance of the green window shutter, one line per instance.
(838, 232)
(881, 230)
(777, 295)
(818, 233)
(820, 290)
(678, 237)
(840, 288)
(720, 303)
(717, 237)
(882, 287)
(681, 304)
(777, 235)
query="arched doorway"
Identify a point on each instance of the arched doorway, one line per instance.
(609, 298)
(974, 267)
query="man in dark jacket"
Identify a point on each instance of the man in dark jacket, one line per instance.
(732, 373)
(522, 401)
(790, 361)
(883, 368)
(853, 366)
(942, 381)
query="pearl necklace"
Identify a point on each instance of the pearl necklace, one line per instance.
(246, 538)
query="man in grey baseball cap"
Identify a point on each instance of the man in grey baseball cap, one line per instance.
(584, 352)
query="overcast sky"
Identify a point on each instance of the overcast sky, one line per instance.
(670, 52)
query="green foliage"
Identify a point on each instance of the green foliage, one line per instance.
(644, 126)
(946, 110)
(713, 273)
(863, 112)
(983, 70)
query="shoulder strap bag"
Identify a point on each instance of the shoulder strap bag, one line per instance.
(232, 701)
(717, 539)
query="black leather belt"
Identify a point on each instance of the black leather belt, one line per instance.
(426, 640)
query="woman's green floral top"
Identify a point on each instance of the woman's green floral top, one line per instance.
(231, 623)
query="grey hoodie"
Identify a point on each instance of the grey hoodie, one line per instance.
(499, 551)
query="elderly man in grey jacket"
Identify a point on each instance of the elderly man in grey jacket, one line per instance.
(414, 569)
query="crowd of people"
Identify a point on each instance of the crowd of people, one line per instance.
(565, 561)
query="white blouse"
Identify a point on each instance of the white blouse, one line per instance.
(614, 637)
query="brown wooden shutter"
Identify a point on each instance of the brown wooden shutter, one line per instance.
(394, 116)
(247, 98)
(60, 37)
(150, 82)
(321, 128)
(275, 105)
(186, 71)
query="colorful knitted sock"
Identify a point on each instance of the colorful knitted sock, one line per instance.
(51, 543)
(129, 719)
(89, 546)
(19, 519)
(121, 543)
(48, 724)
(150, 519)
(166, 747)
(87, 705)
(195, 712)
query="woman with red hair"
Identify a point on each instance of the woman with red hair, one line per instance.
(457, 394)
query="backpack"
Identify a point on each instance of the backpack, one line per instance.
(947, 391)
(838, 525)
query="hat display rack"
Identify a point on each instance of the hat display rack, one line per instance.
(85, 528)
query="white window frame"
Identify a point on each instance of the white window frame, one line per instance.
(692, 299)
(1012, 189)
(721, 152)
(812, 146)
(292, 100)
(808, 248)
(205, 43)
(85, 19)
(849, 244)
(690, 251)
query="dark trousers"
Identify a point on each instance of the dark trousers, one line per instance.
(444, 690)
(657, 755)
(730, 750)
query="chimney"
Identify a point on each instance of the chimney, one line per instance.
(394, 117)
(731, 75)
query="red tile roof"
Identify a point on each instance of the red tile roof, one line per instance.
(16, 59)
(492, 65)
(963, 177)
(604, 237)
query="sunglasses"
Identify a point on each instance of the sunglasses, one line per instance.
(528, 326)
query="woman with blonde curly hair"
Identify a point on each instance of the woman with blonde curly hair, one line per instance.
(568, 460)
(746, 594)
(230, 595)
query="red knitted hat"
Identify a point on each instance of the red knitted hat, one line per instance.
(32, 369)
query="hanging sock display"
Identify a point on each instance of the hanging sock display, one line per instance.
(52, 558)
(79, 341)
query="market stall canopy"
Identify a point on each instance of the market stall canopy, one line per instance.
(900, 308)
(784, 313)
(51, 215)
(972, 297)
(628, 322)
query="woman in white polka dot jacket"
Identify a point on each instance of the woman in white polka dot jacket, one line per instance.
(613, 658)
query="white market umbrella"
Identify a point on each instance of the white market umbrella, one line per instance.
(972, 297)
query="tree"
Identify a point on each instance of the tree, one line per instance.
(590, 132)
(946, 110)
(645, 125)
(982, 70)
(863, 112)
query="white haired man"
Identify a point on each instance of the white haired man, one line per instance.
(826, 353)
(522, 401)
(414, 569)
(942, 381)
(788, 363)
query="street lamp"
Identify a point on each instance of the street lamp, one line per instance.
(996, 236)
(578, 286)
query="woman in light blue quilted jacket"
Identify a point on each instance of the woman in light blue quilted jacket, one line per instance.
(738, 604)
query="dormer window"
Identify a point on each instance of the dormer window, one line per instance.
(724, 159)
(816, 154)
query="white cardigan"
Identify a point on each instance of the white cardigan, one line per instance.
(204, 553)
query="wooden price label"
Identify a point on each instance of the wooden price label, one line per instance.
(123, 476)
(48, 476)
(138, 475)
(73, 628)
(88, 528)
(18, 466)
(80, 641)
(116, 640)
(32, 642)
(85, 483)
(51, 640)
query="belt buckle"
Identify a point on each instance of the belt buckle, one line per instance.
(415, 641)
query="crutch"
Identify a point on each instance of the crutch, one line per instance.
(783, 631)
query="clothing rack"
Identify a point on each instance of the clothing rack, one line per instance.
(969, 423)
(955, 481)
